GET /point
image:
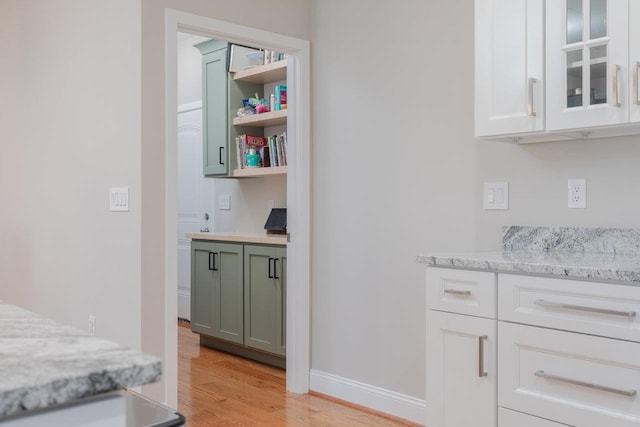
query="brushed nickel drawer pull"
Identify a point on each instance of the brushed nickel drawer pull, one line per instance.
(481, 371)
(456, 292)
(544, 303)
(543, 374)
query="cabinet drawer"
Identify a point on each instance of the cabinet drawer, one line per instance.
(462, 291)
(603, 309)
(571, 378)
(508, 418)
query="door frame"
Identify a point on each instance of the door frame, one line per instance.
(298, 187)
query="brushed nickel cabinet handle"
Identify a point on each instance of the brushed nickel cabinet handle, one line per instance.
(481, 371)
(549, 304)
(636, 95)
(543, 374)
(616, 86)
(456, 292)
(531, 94)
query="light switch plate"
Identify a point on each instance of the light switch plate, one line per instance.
(119, 199)
(224, 202)
(496, 195)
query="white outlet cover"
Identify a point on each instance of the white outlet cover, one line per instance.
(496, 196)
(577, 194)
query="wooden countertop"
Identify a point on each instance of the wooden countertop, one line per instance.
(239, 237)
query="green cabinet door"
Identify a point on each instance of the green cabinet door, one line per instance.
(202, 283)
(228, 294)
(264, 298)
(217, 290)
(214, 107)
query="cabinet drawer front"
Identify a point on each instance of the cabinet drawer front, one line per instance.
(572, 378)
(603, 309)
(462, 291)
(508, 418)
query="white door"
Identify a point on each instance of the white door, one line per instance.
(509, 37)
(194, 199)
(587, 63)
(634, 60)
(461, 370)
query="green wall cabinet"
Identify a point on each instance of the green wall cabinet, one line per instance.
(221, 98)
(217, 290)
(265, 298)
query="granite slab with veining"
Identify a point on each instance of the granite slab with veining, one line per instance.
(604, 254)
(44, 363)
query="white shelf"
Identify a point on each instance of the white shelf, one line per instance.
(263, 74)
(259, 172)
(272, 118)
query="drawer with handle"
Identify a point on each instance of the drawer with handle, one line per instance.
(571, 378)
(603, 309)
(462, 291)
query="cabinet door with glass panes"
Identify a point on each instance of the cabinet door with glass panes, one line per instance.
(587, 53)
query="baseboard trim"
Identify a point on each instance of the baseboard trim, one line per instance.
(376, 398)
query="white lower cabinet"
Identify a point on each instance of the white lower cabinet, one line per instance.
(461, 370)
(461, 349)
(509, 418)
(576, 379)
(568, 352)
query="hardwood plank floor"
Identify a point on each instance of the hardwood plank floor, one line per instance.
(218, 389)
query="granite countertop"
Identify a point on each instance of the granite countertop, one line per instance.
(239, 237)
(605, 254)
(594, 266)
(44, 363)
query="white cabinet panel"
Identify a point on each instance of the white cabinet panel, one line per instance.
(572, 378)
(587, 74)
(462, 291)
(461, 370)
(509, 58)
(634, 59)
(591, 308)
(508, 418)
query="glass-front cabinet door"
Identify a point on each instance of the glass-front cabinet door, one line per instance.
(587, 63)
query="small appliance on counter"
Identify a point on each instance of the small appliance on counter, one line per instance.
(277, 221)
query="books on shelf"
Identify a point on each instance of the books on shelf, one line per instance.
(272, 149)
(270, 56)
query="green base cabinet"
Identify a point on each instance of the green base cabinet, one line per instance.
(265, 294)
(238, 296)
(217, 290)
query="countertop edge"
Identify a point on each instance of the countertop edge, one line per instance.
(615, 275)
(240, 238)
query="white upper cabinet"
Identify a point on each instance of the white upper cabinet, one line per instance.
(634, 60)
(557, 69)
(587, 49)
(509, 49)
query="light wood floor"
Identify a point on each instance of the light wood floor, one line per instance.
(217, 389)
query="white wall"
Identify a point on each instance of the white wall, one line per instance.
(393, 176)
(538, 174)
(70, 129)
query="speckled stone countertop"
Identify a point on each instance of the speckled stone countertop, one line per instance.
(44, 363)
(604, 254)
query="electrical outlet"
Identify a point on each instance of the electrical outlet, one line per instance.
(92, 325)
(577, 194)
(224, 202)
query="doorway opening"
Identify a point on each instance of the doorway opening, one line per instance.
(298, 192)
